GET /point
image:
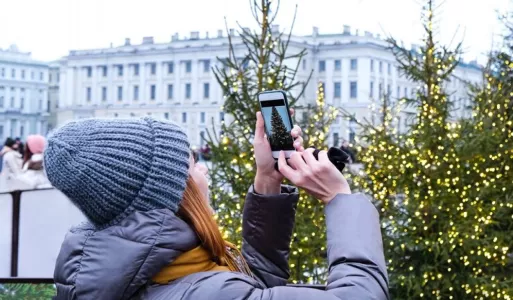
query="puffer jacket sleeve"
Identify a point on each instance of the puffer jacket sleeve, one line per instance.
(268, 221)
(357, 267)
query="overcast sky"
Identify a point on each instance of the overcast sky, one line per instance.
(50, 28)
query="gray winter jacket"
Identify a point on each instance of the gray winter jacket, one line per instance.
(118, 262)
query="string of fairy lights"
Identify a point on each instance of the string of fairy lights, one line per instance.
(431, 204)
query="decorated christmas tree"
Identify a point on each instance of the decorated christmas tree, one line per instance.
(280, 137)
(255, 62)
(443, 217)
(308, 257)
(258, 61)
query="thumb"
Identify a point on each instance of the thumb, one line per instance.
(260, 127)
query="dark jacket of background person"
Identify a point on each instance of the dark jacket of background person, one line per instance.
(118, 262)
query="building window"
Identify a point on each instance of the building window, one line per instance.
(335, 139)
(136, 70)
(184, 117)
(221, 116)
(353, 89)
(170, 67)
(322, 65)
(136, 92)
(371, 89)
(245, 64)
(169, 91)
(337, 90)
(2, 97)
(22, 74)
(381, 67)
(166, 116)
(354, 64)
(398, 92)
(22, 130)
(202, 117)
(153, 68)
(405, 92)
(104, 71)
(41, 76)
(304, 64)
(187, 91)
(352, 131)
(89, 72)
(389, 69)
(323, 87)
(13, 73)
(338, 65)
(188, 66)
(22, 103)
(380, 90)
(2, 72)
(372, 65)
(389, 90)
(12, 102)
(202, 138)
(120, 93)
(88, 94)
(32, 76)
(120, 70)
(153, 91)
(206, 90)
(206, 65)
(41, 100)
(104, 93)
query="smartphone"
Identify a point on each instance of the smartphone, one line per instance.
(278, 122)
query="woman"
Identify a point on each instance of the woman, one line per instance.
(11, 166)
(33, 176)
(152, 235)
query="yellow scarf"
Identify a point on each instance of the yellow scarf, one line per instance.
(190, 262)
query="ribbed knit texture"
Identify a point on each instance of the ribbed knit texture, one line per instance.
(109, 167)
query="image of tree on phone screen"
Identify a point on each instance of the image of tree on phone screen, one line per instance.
(276, 119)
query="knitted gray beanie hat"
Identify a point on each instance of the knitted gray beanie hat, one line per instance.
(111, 167)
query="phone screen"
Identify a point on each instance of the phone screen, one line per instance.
(277, 124)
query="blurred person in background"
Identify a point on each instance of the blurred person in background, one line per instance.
(33, 176)
(11, 165)
(19, 146)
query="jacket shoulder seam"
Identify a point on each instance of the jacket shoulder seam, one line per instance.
(161, 225)
(79, 268)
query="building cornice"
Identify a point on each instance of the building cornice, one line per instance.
(22, 63)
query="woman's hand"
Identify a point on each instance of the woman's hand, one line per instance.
(268, 180)
(320, 178)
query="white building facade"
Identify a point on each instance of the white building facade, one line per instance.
(23, 94)
(174, 80)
